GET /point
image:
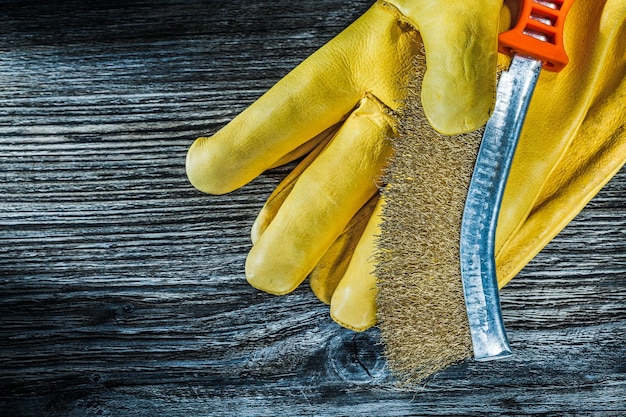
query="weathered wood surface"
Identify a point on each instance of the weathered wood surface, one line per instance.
(122, 287)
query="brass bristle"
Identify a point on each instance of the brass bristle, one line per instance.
(421, 308)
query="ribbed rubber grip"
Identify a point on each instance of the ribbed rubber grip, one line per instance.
(538, 33)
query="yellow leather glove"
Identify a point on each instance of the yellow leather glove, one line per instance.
(573, 140)
(338, 106)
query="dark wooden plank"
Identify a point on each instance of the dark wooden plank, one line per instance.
(122, 287)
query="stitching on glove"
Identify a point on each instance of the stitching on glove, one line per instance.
(403, 21)
(386, 112)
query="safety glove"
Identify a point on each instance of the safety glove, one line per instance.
(573, 141)
(338, 107)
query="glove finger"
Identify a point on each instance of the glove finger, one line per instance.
(315, 95)
(371, 56)
(322, 202)
(460, 40)
(331, 268)
(299, 107)
(353, 304)
(278, 196)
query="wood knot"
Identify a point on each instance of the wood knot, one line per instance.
(357, 357)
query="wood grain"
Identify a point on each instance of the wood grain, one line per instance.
(122, 288)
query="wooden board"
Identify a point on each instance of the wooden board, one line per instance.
(122, 287)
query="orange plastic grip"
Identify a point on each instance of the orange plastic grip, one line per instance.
(539, 33)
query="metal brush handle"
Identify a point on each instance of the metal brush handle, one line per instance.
(478, 226)
(535, 41)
